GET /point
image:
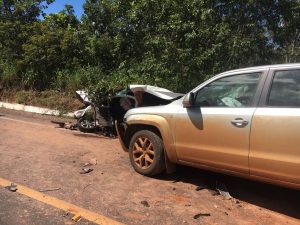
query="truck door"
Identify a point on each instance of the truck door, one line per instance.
(275, 132)
(216, 130)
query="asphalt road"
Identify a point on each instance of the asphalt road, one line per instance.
(36, 154)
(20, 209)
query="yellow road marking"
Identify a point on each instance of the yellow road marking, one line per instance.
(60, 204)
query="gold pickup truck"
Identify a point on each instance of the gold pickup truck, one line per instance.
(243, 122)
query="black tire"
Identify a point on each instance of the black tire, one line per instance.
(86, 125)
(141, 153)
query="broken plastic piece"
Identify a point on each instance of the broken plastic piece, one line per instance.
(66, 214)
(200, 215)
(87, 164)
(214, 192)
(76, 217)
(66, 125)
(200, 187)
(71, 126)
(12, 187)
(85, 170)
(222, 189)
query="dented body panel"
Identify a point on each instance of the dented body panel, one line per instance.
(160, 117)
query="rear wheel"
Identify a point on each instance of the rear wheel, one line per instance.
(146, 153)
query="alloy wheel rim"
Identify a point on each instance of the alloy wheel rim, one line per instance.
(143, 152)
(87, 124)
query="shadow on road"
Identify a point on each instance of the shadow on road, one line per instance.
(91, 135)
(282, 200)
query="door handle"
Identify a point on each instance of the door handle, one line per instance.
(239, 122)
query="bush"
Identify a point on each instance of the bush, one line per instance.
(8, 74)
(31, 79)
(82, 78)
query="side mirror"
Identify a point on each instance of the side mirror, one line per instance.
(188, 100)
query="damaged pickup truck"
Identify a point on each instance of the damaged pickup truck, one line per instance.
(243, 122)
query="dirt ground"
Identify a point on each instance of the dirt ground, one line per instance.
(36, 154)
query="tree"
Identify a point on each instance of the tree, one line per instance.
(284, 29)
(165, 43)
(16, 20)
(56, 45)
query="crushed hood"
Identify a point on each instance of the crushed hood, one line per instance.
(156, 91)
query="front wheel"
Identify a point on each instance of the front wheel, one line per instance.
(85, 125)
(146, 153)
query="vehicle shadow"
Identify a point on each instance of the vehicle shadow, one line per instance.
(278, 199)
(92, 135)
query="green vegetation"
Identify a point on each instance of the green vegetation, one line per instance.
(169, 43)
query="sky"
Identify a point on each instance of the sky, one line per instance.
(58, 5)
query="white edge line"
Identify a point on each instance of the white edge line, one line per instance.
(33, 109)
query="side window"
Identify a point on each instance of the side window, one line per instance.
(233, 91)
(285, 89)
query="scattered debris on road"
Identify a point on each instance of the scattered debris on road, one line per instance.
(145, 203)
(87, 164)
(222, 189)
(214, 192)
(66, 125)
(239, 206)
(201, 187)
(12, 187)
(76, 217)
(85, 170)
(200, 215)
(71, 126)
(66, 214)
(50, 189)
(93, 161)
(28, 164)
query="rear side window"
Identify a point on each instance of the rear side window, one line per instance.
(285, 89)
